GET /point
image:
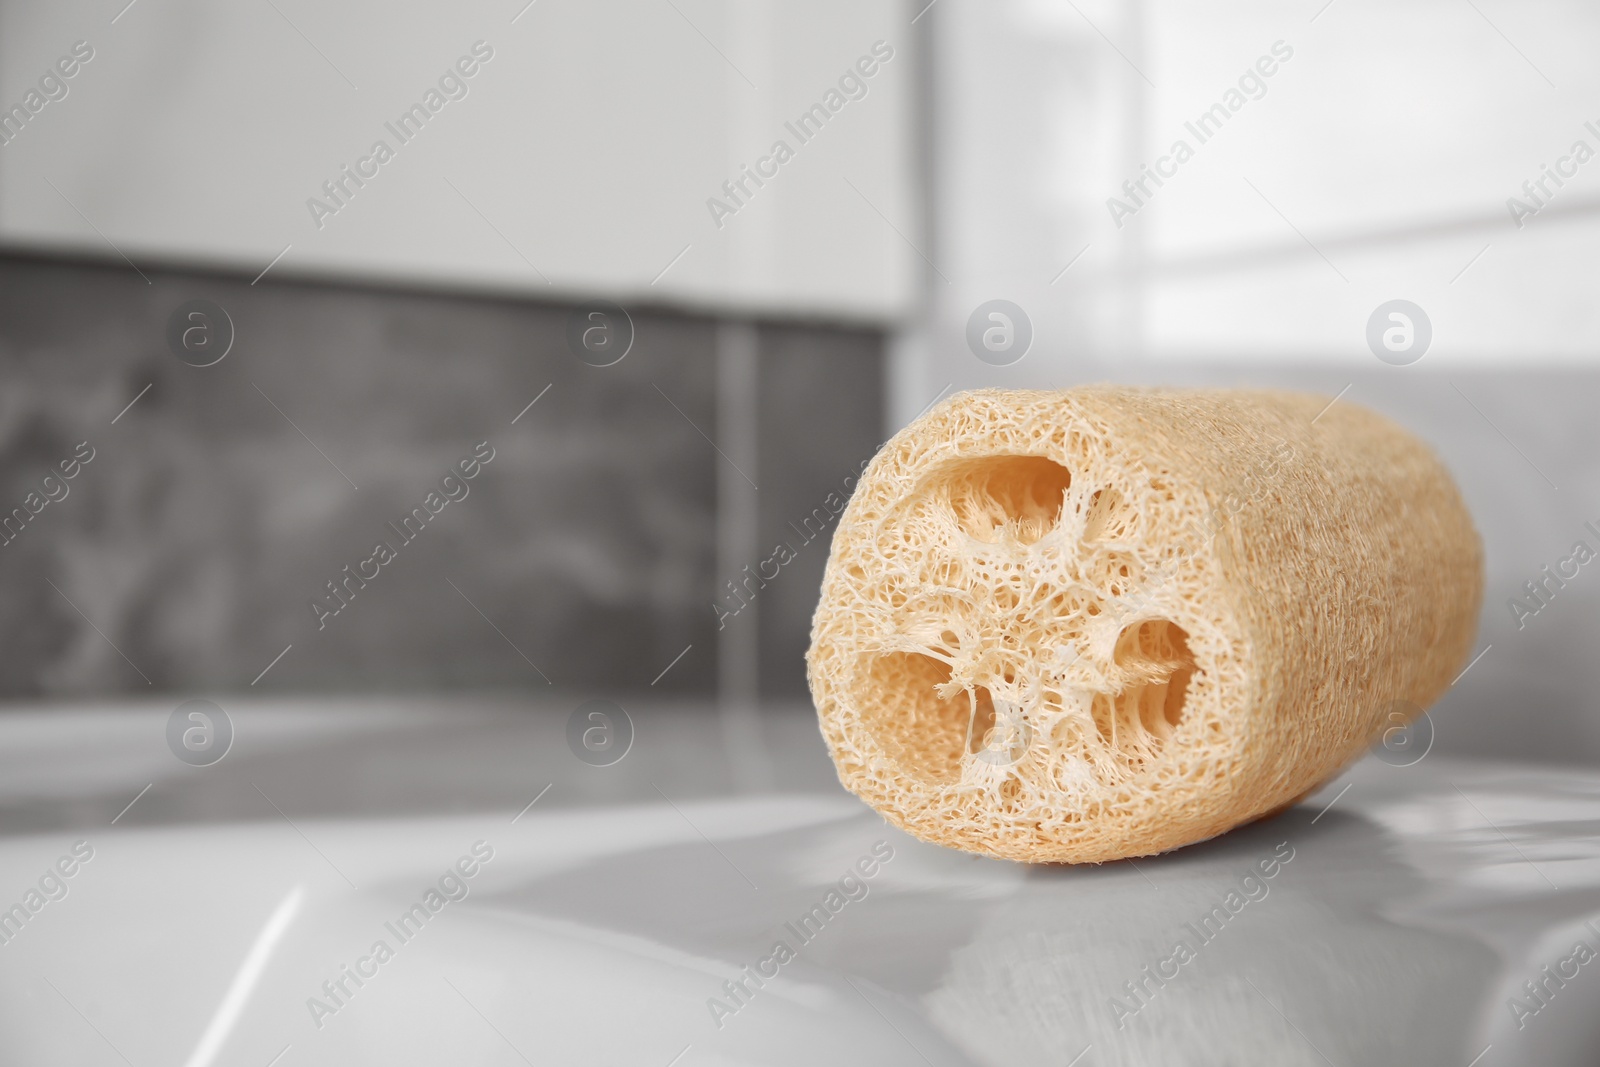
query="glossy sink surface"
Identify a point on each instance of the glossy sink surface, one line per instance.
(370, 884)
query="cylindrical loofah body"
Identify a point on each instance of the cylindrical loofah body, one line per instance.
(1106, 622)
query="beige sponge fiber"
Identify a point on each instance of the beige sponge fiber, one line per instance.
(1106, 622)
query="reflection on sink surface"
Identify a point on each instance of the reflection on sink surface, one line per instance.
(1404, 915)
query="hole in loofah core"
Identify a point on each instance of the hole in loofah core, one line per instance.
(923, 732)
(1155, 665)
(1109, 518)
(978, 737)
(1017, 495)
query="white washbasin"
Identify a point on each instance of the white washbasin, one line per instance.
(1396, 926)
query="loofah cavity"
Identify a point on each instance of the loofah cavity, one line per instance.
(1101, 623)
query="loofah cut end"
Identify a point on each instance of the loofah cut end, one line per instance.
(1078, 626)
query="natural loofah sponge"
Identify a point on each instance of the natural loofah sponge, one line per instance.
(1106, 622)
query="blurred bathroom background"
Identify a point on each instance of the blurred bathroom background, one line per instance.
(779, 327)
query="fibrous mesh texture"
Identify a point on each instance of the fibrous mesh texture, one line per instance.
(1106, 622)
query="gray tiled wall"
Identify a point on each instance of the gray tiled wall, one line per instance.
(810, 445)
(186, 554)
